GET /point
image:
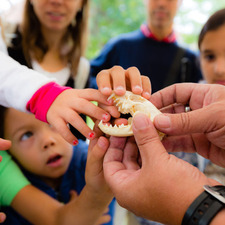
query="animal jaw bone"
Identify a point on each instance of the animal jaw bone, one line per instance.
(129, 103)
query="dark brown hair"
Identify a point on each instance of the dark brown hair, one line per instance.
(214, 22)
(32, 37)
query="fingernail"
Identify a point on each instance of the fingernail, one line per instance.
(75, 142)
(119, 88)
(105, 117)
(140, 121)
(137, 88)
(163, 121)
(106, 89)
(146, 95)
(91, 135)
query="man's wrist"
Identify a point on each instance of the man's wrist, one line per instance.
(219, 219)
(206, 206)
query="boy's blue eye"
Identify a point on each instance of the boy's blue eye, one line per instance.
(26, 135)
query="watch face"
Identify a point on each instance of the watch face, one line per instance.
(216, 191)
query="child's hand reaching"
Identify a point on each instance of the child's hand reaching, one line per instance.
(105, 218)
(120, 80)
(96, 196)
(94, 176)
(67, 106)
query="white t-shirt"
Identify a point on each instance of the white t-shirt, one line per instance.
(62, 76)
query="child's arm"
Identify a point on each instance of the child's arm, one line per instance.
(93, 200)
(39, 208)
(23, 88)
(96, 195)
(60, 106)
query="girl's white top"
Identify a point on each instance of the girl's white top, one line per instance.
(17, 82)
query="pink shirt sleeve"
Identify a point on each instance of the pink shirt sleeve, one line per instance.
(43, 99)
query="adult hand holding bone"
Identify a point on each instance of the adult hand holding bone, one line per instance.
(158, 188)
(201, 130)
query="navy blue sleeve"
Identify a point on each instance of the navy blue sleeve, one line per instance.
(104, 59)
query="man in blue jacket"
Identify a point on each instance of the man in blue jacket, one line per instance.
(153, 49)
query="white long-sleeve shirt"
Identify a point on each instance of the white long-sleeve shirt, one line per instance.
(18, 83)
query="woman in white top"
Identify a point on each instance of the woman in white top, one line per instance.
(52, 39)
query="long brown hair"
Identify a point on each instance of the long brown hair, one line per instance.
(32, 37)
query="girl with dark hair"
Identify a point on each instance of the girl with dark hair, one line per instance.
(212, 58)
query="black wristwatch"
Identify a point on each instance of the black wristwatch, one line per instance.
(205, 206)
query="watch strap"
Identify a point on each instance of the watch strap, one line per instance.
(204, 208)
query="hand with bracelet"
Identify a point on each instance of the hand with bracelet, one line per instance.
(163, 187)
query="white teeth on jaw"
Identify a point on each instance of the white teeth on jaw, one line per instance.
(129, 103)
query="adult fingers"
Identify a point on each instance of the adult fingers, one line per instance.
(147, 139)
(131, 155)
(197, 121)
(113, 160)
(185, 93)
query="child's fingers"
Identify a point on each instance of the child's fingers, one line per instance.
(112, 110)
(118, 76)
(99, 150)
(113, 78)
(63, 129)
(90, 109)
(96, 152)
(73, 195)
(106, 210)
(103, 80)
(133, 79)
(93, 95)
(146, 85)
(103, 219)
(78, 123)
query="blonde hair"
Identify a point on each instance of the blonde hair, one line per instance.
(75, 37)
